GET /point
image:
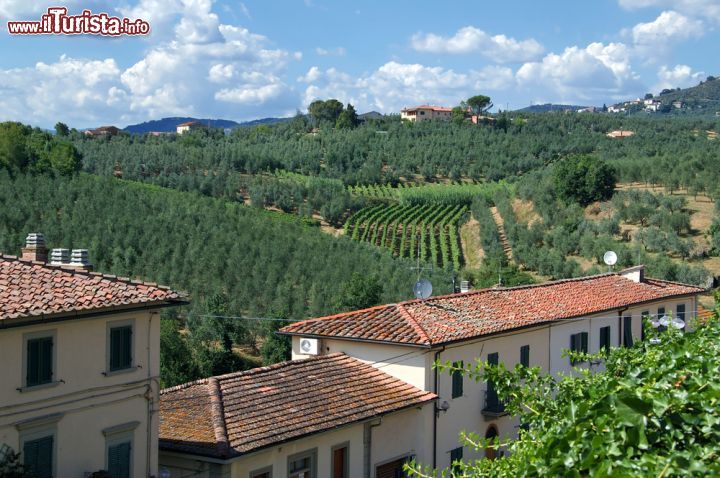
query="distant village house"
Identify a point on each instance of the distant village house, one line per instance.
(190, 126)
(425, 113)
(103, 131)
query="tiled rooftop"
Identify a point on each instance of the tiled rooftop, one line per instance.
(454, 317)
(233, 414)
(34, 289)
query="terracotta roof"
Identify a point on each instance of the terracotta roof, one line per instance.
(454, 317)
(429, 107)
(191, 123)
(33, 289)
(234, 414)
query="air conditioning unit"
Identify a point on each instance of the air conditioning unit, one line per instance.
(464, 286)
(309, 346)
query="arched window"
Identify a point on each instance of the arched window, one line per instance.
(492, 432)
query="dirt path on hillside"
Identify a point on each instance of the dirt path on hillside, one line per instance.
(470, 242)
(501, 231)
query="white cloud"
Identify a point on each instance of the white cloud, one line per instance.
(499, 48)
(668, 26)
(312, 75)
(75, 89)
(204, 68)
(590, 74)
(339, 51)
(681, 76)
(703, 9)
(396, 85)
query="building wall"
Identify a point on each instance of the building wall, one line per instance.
(410, 364)
(547, 345)
(85, 402)
(386, 445)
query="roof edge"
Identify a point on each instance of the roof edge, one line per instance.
(218, 416)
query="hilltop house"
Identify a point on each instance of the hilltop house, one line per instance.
(103, 131)
(621, 133)
(189, 126)
(329, 416)
(425, 113)
(528, 325)
(80, 354)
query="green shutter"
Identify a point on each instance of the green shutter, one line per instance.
(627, 331)
(39, 361)
(120, 348)
(457, 381)
(525, 355)
(38, 457)
(605, 339)
(119, 460)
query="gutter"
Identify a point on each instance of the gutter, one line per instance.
(78, 314)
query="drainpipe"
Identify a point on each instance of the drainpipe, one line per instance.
(436, 385)
(367, 445)
(150, 397)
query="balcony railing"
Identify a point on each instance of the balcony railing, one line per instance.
(494, 407)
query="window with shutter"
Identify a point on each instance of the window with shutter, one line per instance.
(525, 355)
(627, 331)
(38, 457)
(457, 380)
(456, 455)
(578, 343)
(120, 348)
(605, 339)
(119, 460)
(680, 313)
(661, 313)
(39, 366)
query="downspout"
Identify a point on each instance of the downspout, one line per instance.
(367, 444)
(150, 397)
(436, 413)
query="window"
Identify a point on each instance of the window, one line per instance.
(120, 346)
(661, 313)
(392, 469)
(605, 339)
(456, 454)
(525, 355)
(340, 465)
(39, 360)
(119, 449)
(457, 380)
(263, 473)
(578, 343)
(680, 312)
(119, 459)
(627, 331)
(303, 465)
(38, 456)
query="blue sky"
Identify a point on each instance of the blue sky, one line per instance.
(253, 59)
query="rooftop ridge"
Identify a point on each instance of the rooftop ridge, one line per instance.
(218, 416)
(414, 324)
(81, 272)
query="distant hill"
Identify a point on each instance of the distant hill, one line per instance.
(168, 125)
(549, 107)
(700, 100)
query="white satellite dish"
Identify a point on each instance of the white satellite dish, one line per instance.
(423, 289)
(610, 258)
(678, 323)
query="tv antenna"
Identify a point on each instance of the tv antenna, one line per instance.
(610, 259)
(423, 287)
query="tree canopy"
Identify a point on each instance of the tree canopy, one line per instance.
(584, 179)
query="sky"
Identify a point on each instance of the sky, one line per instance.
(269, 58)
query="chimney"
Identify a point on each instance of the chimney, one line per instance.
(80, 260)
(635, 274)
(34, 249)
(60, 257)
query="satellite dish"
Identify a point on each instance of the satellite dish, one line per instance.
(678, 323)
(610, 258)
(423, 289)
(664, 321)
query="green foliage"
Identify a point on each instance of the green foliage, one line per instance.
(10, 464)
(652, 412)
(176, 364)
(584, 179)
(328, 110)
(25, 149)
(348, 119)
(479, 104)
(61, 129)
(360, 292)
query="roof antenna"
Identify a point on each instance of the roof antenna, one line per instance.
(423, 287)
